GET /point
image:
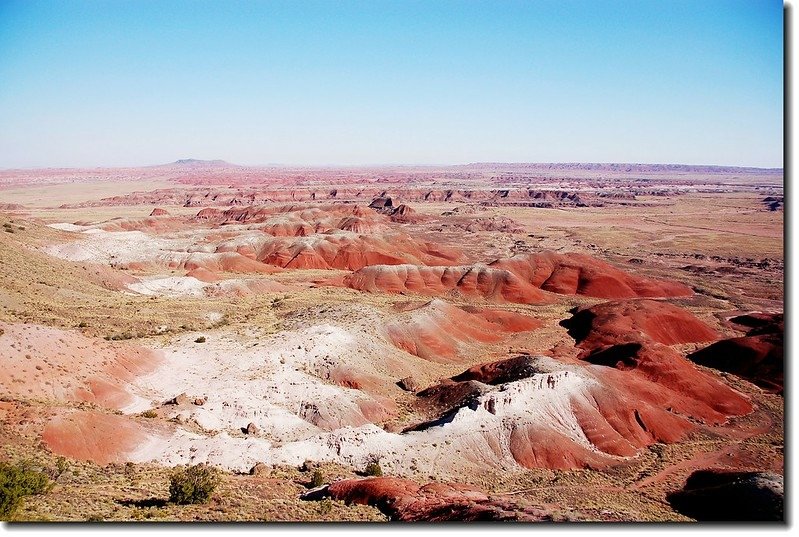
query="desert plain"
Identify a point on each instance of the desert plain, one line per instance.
(531, 342)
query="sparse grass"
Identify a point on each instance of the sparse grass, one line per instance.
(120, 337)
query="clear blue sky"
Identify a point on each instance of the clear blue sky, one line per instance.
(86, 83)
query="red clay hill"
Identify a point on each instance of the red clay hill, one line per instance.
(521, 279)
(628, 389)
(581, 274)
(613, 323)
(441, 332)
(758, 356)
(406, 501)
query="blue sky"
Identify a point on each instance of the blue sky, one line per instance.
(117, 83)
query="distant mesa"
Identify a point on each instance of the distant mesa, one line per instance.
(198, 163)
(619, 167)
(400, 213)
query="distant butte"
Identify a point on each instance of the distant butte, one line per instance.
(199, 163)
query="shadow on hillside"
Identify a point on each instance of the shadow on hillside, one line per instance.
(147, 502)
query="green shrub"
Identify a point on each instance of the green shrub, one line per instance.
(318, 479)
(325, 506)
(61, 465)
(194, 484)
(149, 414)
(200, 339)
(373, 469)
(16, 482)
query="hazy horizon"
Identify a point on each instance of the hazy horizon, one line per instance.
(391, 165)
(417, 83)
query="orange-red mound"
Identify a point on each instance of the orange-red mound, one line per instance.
(209, 263)
(204, 275)
(628, 342)
(107, 277)
(758, 356)
(613, 416)
(47, 363)
(159, 212)
(658, 374)
(507, 321)
(320, 213)
(534, 447)
(612, 323)
(352, 252)
(476, 281)
(405, 214)
(93, 436)
(438, 331)
(580, 274)
(150, 224)
(329, 417)
(404, 500)
(519, 279)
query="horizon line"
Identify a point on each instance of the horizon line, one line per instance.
(222, 163)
